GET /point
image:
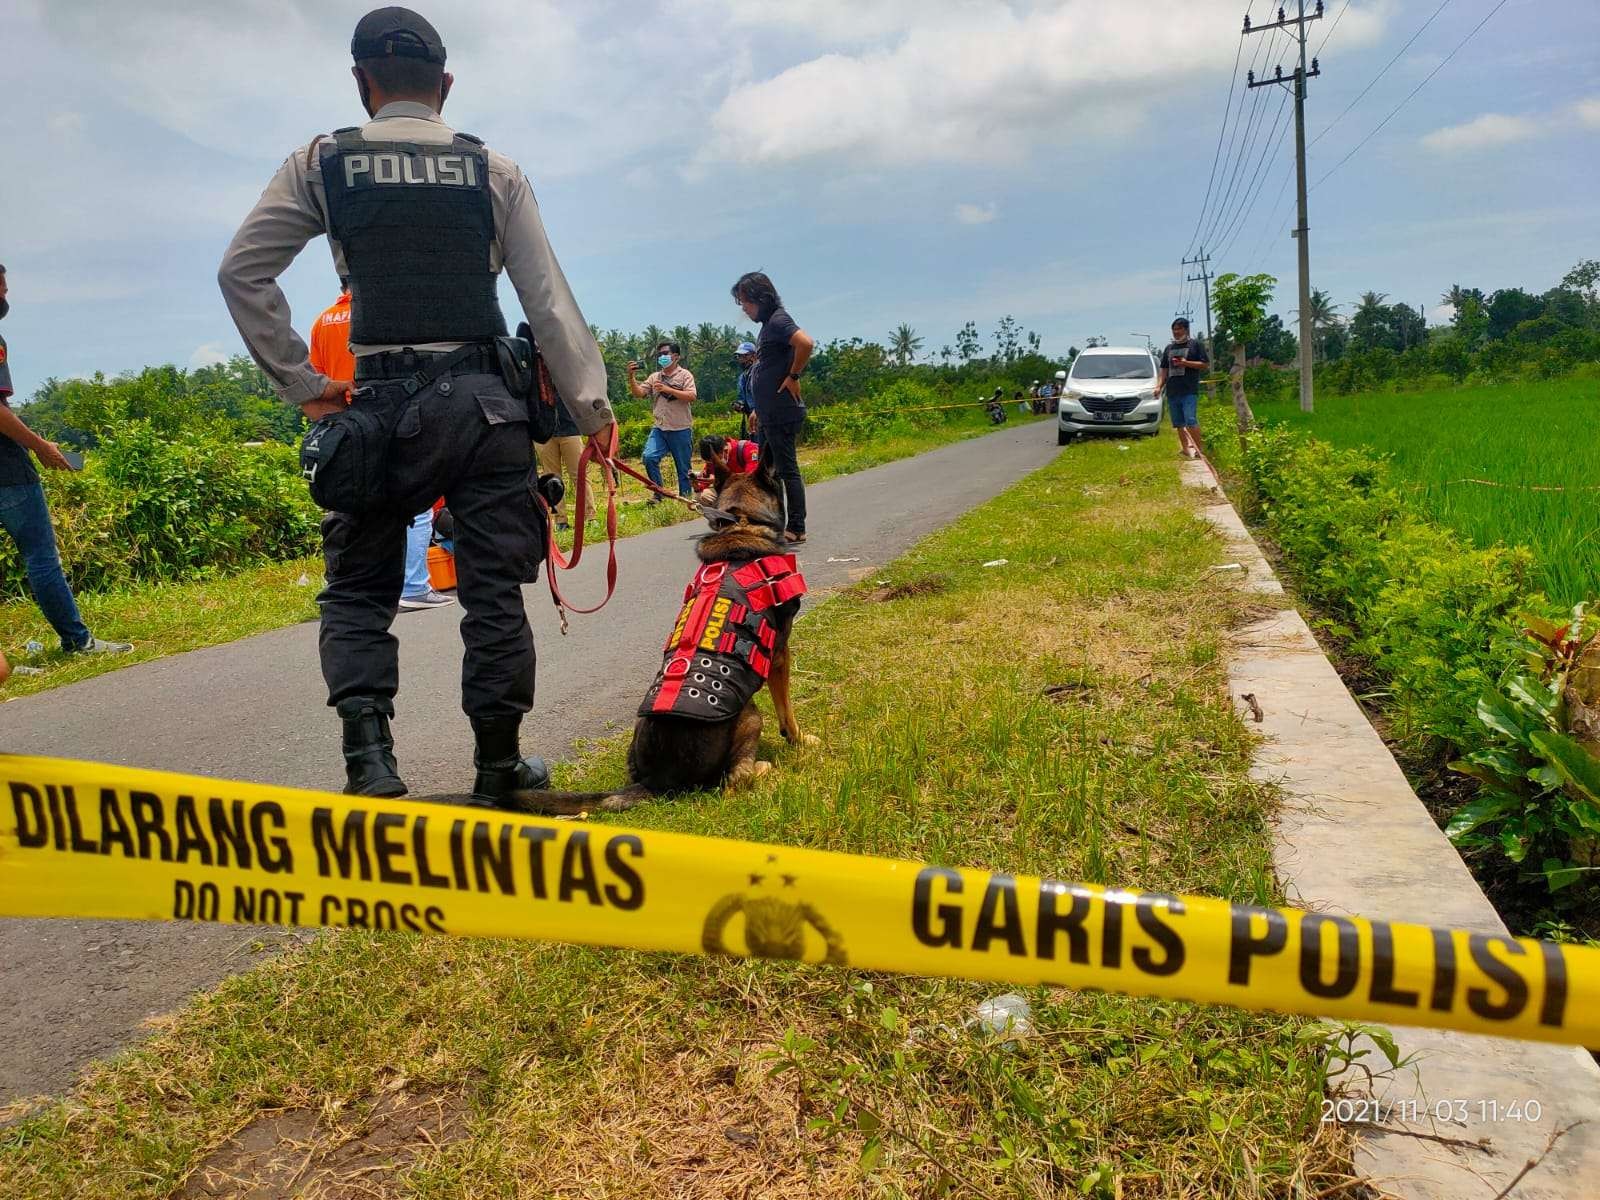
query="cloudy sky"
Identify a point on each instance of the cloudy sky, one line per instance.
(925, 161)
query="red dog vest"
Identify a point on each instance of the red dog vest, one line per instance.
(720, 651)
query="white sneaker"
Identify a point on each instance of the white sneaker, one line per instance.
(427, 599)
(96, 646)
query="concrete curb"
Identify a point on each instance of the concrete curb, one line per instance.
(1354, 838)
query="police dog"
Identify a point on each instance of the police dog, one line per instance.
(673, 752)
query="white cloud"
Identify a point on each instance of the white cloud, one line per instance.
(1483, 133)
(840, 22)
(980, 82)
(562, 88)
(1588, 112)
(977, 214)
(211, 354)
(65, 125)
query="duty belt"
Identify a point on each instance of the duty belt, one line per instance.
(398, 364)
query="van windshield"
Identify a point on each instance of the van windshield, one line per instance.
(1113, 366)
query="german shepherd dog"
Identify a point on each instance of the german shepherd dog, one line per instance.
(675, 753)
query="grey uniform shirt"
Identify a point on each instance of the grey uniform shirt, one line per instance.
(294, 209)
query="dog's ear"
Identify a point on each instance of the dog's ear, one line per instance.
(719, 471)
(767, 470)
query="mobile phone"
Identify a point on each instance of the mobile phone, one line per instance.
(74, 459)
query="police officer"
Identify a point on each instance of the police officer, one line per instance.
(421, 219)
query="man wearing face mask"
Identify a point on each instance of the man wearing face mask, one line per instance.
(672, 431)
(422, 219)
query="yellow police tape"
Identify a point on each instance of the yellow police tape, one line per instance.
(85, 840)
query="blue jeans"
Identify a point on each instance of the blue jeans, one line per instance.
(679, 443)
(24, 515)
(417, 539)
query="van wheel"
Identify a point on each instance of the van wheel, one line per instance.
(1062, 437)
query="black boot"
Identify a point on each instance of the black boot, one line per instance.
(369, 765)
(501, 768)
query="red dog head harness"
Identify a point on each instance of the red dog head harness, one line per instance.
(720, 651)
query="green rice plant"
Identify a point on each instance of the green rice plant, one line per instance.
(1509, 464)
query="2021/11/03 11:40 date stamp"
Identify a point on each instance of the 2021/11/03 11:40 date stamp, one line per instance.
(1357, 1110)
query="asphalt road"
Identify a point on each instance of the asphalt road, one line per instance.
(254, 709)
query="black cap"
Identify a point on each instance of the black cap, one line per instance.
(396, 31)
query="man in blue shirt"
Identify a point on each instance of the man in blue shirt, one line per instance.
(744, 403)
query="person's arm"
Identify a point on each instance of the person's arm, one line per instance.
(688, 395)
(803, 344)
(568, 347)
(48, 453)
(1161, 374)
(634, 385)
(274, 232)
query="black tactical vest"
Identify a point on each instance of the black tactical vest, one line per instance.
(416, 223)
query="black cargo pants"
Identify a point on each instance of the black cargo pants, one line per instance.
(466, 438)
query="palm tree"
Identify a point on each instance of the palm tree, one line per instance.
(1371, 302)
(904, 344)
(1325, 319)
(707, 341)
(652, 337)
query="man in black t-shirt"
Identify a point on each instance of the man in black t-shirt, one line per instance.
(1183, 362)
(25, 516)
(782, 351)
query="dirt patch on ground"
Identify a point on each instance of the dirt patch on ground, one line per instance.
(928, 585)
(692, 1126)
(336, 1154)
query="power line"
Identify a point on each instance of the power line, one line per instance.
(1233, 81)
(1230, 223)
(1233, 139)
(1258, 181)
(1413, 92)
(1252, 131)
(1331, 28)
(1261, 247)
(1380, 74)
(1258, 254)
(1297, 79)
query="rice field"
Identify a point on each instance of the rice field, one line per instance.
(1481, 459)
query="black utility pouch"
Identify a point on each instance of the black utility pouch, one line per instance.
(531, 382)
(344, 456)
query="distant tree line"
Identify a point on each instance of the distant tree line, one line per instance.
(1498, 334)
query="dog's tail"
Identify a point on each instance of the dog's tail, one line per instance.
(570, 804)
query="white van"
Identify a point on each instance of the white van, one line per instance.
(1110, 389)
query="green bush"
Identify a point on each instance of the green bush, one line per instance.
(148, 507)
(1436, 619)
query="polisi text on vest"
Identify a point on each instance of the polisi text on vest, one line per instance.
(458, 170)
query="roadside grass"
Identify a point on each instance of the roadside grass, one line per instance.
(172, 618)
(1064, 714)
(1520, 436)
(159, 619)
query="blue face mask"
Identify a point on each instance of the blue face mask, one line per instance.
(665, 360)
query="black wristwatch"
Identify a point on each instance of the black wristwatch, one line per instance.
(794, 377)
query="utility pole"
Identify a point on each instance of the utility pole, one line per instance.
(1204, 260)
(1298, 81)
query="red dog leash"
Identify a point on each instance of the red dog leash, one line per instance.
(555, 560)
